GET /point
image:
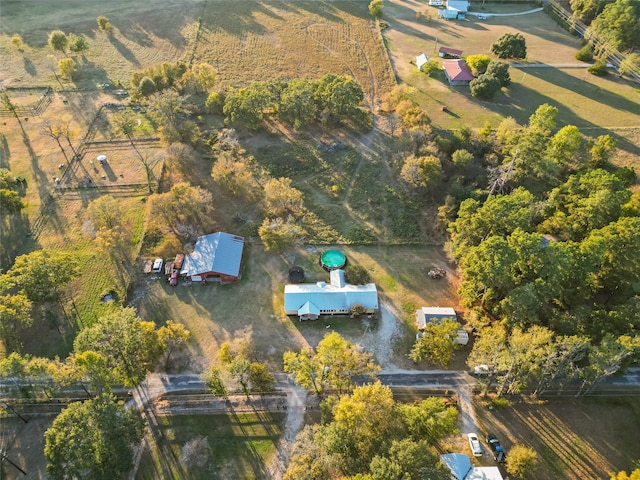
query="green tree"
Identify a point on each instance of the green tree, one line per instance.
(622, 475)
(173, 337)
(522, 461)
(408, 460)
(356, 274)
(631, 63)
(281, 199)
(278, 234)
(58, 41)
(478, 63)
(585, 54)
(104, 24)
(500, 215)
(214, 103)
(331, 367)
(425, 171)
(297, 106)
(430, 420)
(248, 104)
(484, 87)
(462, 159)
(338, 96)
(200, 78)
(260, 378)
(430, 67)
(213, 379)
(375, 8)
(132, 347)
(500, 70)
(147, 86)
(565, 145)
(78, 44)
(42, 275)
(602, 151)
(16, 41)
(167, 106)
(364, 425)
(15, 313)
(618, 25)
(510, 45)
(67, 68)
(91, 370)
(92, 439)
(185, 209)
(10, 202)
(437, 344)
(587, 10)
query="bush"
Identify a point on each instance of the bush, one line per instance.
(510, 45)
(214, 103)
(484, 87)
(599, 68)
(375, 8)
(585, 54)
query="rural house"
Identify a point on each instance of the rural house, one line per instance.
(457, 72)
(310, 300)
(461, 468)
(215, 258)
(425, 315)
(446, 52)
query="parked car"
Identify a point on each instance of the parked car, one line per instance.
(474, 443)
(157, 265)
(173, 280)
(497, 450)
(481, 370)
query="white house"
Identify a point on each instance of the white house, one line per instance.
(461, 469)
(459, 5)
(425, 315)
(310, 300)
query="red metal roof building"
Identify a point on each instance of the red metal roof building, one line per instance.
(457, 72)
(449, 52)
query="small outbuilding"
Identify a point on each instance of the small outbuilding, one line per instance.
(421, 60)
(448, 14)
(458, 5)
(425, 315)
(446, 52)
(457, 72)
(216, 257)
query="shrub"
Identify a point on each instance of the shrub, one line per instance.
(484, 87)
(585, 54)
(599, 68)
(510, 45)
(375, 8)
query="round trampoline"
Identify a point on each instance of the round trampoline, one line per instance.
(296, 274)
(332, 260)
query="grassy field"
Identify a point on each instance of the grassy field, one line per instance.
(574, 439)
(239, 446)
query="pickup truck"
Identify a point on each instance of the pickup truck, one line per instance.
(497, 450)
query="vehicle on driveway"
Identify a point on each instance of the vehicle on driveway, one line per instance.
(157, 265)
(497, 450)
(474, 443)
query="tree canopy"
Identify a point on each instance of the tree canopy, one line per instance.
(510, 45)
(92, 439)
(130, 346)
(58, 40)
(331, 367)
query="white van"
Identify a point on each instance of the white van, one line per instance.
(474, 443)
(157, 265)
